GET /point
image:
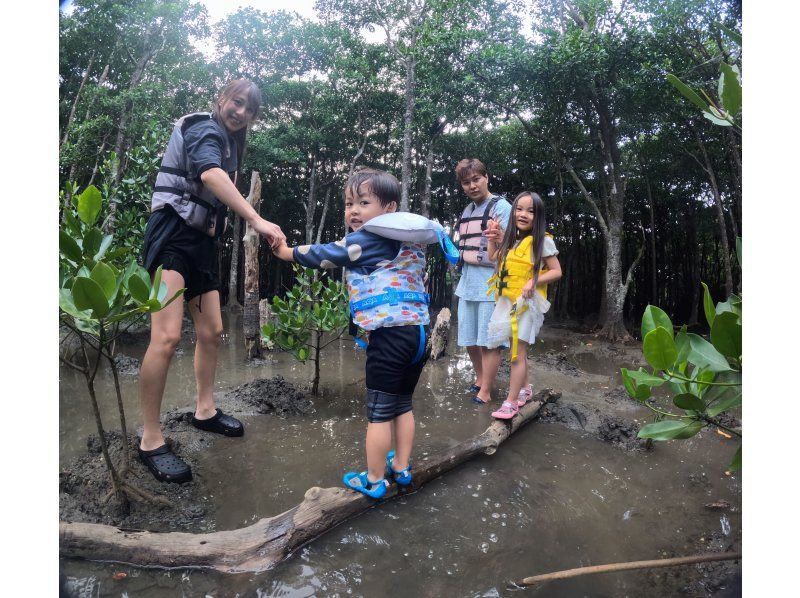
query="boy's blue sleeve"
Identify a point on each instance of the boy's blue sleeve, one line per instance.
(360, 248)
(502, 211)
(328, 255)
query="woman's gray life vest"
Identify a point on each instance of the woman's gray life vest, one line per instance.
(179, 186)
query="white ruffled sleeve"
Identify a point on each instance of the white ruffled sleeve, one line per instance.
(549, 247)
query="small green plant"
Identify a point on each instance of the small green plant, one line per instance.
(704, 377)
(101, 294)
(309, 310)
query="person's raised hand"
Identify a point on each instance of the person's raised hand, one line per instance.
(493, 231)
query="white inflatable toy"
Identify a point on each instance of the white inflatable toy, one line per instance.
(412, 228)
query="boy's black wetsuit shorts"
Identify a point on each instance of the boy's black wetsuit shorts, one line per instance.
(392, 372)
(170, 243)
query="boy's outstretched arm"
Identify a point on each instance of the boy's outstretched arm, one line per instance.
(284, 252)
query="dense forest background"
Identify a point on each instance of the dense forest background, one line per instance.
(567, 98)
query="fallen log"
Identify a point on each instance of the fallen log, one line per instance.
(270, 540)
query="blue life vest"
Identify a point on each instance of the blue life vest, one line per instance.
(393, 294)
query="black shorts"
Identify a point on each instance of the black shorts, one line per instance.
(170, 243)
(392, 372)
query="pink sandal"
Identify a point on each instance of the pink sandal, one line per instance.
(524, 395)
(507, 410)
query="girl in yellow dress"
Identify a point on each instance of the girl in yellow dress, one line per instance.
(526, 262)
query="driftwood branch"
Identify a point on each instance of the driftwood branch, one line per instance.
(270, 540)
(610, 568)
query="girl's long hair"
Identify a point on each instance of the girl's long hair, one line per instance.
(513, 234)
(253, 93)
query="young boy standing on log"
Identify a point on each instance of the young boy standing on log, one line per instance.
(387, 299)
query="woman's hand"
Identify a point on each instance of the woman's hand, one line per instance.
(527, 289)
(271, 231)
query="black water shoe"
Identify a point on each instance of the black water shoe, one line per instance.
(219, 424)
(166, 465)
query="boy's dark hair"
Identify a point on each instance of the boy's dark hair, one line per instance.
(469, 166)
(384, 185)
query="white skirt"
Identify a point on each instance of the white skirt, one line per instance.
(528, 322)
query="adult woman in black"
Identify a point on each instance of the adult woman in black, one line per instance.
(194, 188)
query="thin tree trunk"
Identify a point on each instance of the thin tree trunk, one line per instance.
(311, 203)
(723, 230)
(250, 317)
(233, 277)
(408, 92)
(77, 98)
(324, 214)
(269, 541)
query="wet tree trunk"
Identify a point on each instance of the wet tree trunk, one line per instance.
(270, 540)
(250, 318)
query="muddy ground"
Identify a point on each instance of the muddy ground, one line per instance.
(84, 485)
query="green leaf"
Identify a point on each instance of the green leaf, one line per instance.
(669, 430)
(700, 385)
(302, 354)
(705, 356)
(69, 247)
(683, 346)
(722, 398)
(653, 317)
(67, 305)
(91, 242)
(72, 224)
(156, 286)
(104, 276)
(708, 305)
(139, 289)
(641, 376)
(104, 245)
(87, 294)
(731, 89)
(89, 203)
(739, 250)
(716, 120)
(736, 463)
(636, 391)
(659, 349)
(689, 402)
(733, 399)
(726, 335)
(687, 92)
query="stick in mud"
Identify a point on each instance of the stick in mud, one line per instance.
(654, 564)
(268, 541)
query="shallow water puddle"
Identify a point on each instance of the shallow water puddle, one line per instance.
(550, 498)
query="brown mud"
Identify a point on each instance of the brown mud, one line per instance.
(85, 485)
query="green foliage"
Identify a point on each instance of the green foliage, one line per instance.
(309, 309)
(705, 378)
(96, 296)
(727, 111)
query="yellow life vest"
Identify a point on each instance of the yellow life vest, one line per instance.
(514, 272)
